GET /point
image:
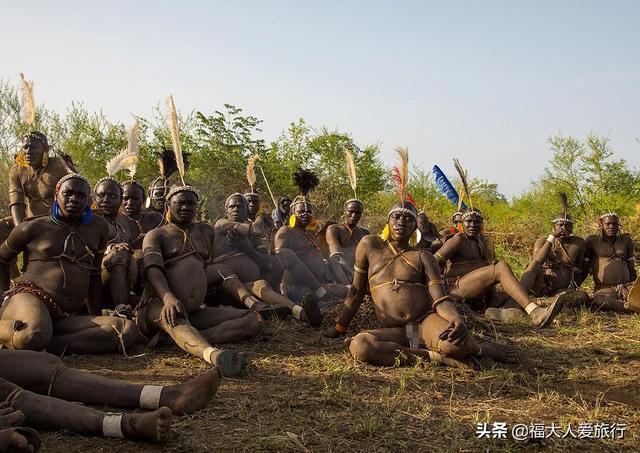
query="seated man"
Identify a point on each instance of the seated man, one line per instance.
(610, 259)
(557, 263)
(297, 239)
(65, 253)
(46, 374)
(177, 269)
(280, 214)
(430, 237)
(233, 247)
(419, 319)
(456, 220)
(343, 238)
(132, 200)
(119, 269)
(471, 272)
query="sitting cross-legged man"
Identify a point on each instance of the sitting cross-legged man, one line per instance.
(178, 269)
(558, 263)
(420, 321)
(65, 251)
(610, 259)
(234, 248)
(471, 273)
(343, 238)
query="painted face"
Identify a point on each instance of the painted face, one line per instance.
(34, 150)
(285, 206)
(236, 209)
(158, 194)
(402, 226)
(456, 219)
(253, 206)
(108, 198)
(182, 207)
(610, 226)
(303, 213)
(562, 229)
(353, 214)
(73, 198)
(423, 222)
(132, 200)
(472, 225)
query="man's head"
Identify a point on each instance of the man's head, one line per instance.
(456, 219)
(472, 222)
(402, 221)
(253, 204)
(72, 197)
(157, 194)
(303, 211)
(562, 226)
(132, 199)
(284, 205)
(610, 224)
(35, 148)
(236, 208)
(108, 197)
(182, 204)
(423, 222)
(353, 212)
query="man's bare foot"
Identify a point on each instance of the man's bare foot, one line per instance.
(154, 425)
(499, 352)
(19, 439)
(192, 395)
(542, 317)
(311, 310)
(229, 362)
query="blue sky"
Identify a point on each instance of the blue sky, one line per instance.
(486, 82)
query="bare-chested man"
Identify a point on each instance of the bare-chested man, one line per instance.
(343, 238)
(132, 201)
(65, 252)
(419, 319)
(280, 214)
(119, 269)
(471, 272)
(234, 247)
(456, 220)
(610, 259)
(178, 269)
(430, 236)
(558, 263)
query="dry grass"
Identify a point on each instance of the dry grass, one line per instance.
(302, 392)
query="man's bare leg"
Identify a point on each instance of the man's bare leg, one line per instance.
(122, 272)
(476, 283)
(226, 324)
(532, 280)
(47, 413)
(93, 334)
(309, 311)
(189, 339)
(607, 299)
(301, 274)
(45, 374)
(25, 323)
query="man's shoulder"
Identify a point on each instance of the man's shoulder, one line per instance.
(576, 240)
(151, 216)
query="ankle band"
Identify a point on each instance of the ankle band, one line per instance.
(529, 308)
(150, 396)
(112, 425)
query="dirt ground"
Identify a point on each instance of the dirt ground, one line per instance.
(302, 392)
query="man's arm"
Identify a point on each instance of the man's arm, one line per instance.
(356, 293)
(631, 262)
(281, 240)
(17, 204)
(579, 273)
(94, 297)
(442, 302)
(541, 249)
(589, 256)
(333, 240)
(9, 250)
(448, 249)
(254, 229)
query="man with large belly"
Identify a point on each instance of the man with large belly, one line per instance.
(610, 259)
(419, 319)
(178, 268)
(64, 253)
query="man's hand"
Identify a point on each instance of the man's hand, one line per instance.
(331, 332)
(458, 332)
(172, 310)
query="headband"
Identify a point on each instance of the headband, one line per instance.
(185, 188)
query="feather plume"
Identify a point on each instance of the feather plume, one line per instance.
(465, 184)
(172, 118)
(124, 159)
(28, 103)
(400, 173)
(251, 171)
(412, 201)
(446, 188)
(306, 180)
(564, 202)
(351, 170)
(133, 136)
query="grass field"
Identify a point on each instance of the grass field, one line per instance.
(302, 392)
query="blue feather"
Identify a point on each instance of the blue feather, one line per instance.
(445, 187)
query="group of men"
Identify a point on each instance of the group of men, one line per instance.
(98, 273)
